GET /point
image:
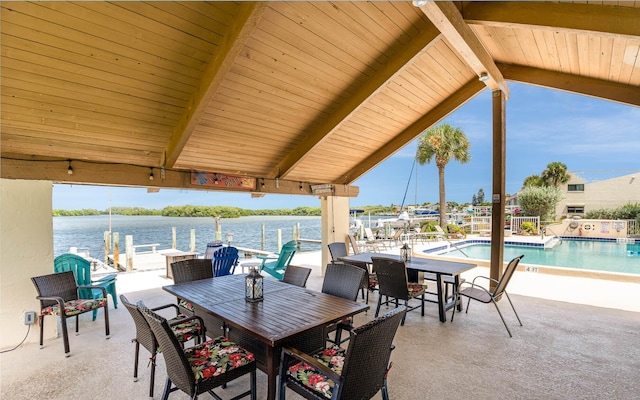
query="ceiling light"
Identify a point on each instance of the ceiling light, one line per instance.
(483, 77)
(151, 174)
(419, 3)
(70, 170)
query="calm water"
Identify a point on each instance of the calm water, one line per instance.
(88, 232)
(598, 256)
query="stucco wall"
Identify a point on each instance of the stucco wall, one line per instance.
(26, 250)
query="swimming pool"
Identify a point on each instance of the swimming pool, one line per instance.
(578, 254)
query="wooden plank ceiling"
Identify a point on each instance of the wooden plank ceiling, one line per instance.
(305, 92)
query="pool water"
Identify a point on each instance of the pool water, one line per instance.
(586, 255)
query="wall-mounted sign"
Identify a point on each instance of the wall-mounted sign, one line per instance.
(326, 188)
(214, 179)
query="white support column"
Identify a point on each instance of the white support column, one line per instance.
(335, 223)
(26, 250)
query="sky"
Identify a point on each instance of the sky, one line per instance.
(597, 139)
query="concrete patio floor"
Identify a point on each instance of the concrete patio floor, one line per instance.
(565, 350)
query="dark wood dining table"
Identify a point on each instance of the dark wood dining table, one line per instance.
(439, 268)
(289, 315)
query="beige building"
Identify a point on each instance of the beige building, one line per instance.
(580, 197)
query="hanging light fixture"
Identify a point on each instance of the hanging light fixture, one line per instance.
(69, 169)
(150, 174)
(253, 289)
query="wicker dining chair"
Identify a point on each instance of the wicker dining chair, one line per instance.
(338, 250)
(60, 295)
(394, 285)
(203, 367)
(296, 275)
(185, 329)
(187, 271)
(342, 280)
(357, 372)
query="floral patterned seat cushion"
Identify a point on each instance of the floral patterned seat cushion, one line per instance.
(416, 289)
(185, 331)
(186, 305)
(74, 307)
(332, 357)
(373, 281)
(215, 357)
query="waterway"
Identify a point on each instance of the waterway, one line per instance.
(87, 232)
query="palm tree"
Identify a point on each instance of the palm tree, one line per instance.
(443, 143)
(555, 174)
(533, 181)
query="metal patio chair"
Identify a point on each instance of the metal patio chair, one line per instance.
(187, 271)
(480, 293)
(342, 280)
(296, 275)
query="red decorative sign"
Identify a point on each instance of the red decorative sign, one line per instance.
(214, 179)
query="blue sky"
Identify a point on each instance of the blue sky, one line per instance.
(596, 137)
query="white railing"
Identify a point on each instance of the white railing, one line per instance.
(516, 222)
(480, 224)
(483, 224)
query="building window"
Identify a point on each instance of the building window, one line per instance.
(575, 209)
(578, 187)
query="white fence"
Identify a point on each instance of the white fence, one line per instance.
(483, 224)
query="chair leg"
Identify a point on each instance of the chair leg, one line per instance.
(106, 320)
(41, 321)
(167, 389)
(514, 309)
(501, 317)
(385, 390)
(65, 337)
(423, 304)
(135, 361)
(254, 391)
(77, 324)
(152, 379)
(379, 304)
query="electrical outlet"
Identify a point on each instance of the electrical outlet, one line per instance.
(29, 317)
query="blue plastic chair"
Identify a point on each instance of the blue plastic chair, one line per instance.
(81, 268)
(276, 268)
(224, 261)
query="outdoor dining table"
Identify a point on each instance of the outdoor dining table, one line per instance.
(289, 315)
(440, 268)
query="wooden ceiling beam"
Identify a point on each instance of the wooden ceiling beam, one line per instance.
(444, 108)
(555, 16)
(128, 175)
(607, 90)
(447, 18)
(397, 64)
(233, 42)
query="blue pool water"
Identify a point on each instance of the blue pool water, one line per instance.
(586, 255)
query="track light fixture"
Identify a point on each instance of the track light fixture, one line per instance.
(69, 169)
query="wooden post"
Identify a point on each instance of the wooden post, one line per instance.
(193, 240)
(130, 251)
(116, 250)
(173, 237)
(279, 240)
(498, 186)
(262, 239)
(107, 246)
(218, 229)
